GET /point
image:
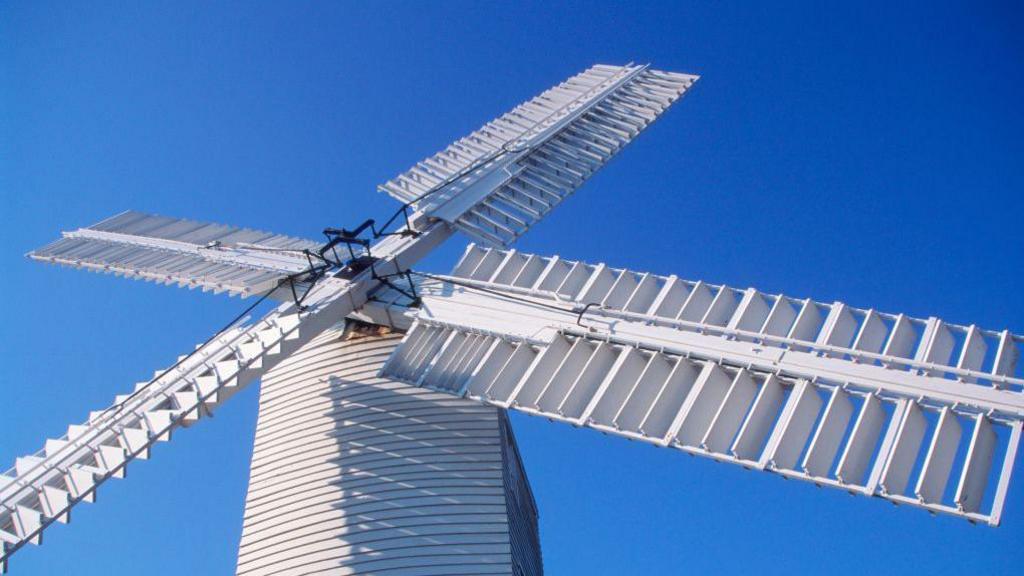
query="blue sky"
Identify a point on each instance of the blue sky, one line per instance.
(867, 153)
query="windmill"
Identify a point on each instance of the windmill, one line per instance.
(382, 441)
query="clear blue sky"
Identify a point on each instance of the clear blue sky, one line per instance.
(871, 154)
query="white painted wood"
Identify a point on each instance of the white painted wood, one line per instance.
(905, 450)
(872, 333)
(1005, 363)
(807, 324)
(98, 449)
(662, 419)
(487, 370)
(377, 471)
(787, 437)
(780, 319)
(755, 431)
(862, 443)
(807, 358)
(553, 275)
(615, 387)
(702, 404)
(730, 415)
(570, 366)
(936, 343)
(939, 462)
(643, 296)
(721, 308)
(660, 360)
(1003, 484)
(826, 442)
(516, 168)
(504, 383)
(184, 252)
(751, 313)
(839, 326)
(972, 355)
(901, 338)
(620, 292)
(670, 300)
(697, 303)
(974, 476)
(637, 403)
(533, 382)
(583, 389)
(795, 426)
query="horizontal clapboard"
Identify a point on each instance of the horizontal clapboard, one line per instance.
(497, 182)
(966, 353)
(352, 473)
(867, 442)
(213, 257)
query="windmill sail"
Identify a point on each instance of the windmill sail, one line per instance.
(41, 488)
(837, 395)
(185, 252)
(500, 180)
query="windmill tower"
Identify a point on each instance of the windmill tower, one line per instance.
(383, 442)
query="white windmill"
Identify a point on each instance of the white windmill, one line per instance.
(382, 443)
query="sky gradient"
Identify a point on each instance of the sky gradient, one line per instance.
(868, 154)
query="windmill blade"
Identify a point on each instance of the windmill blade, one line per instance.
(41, 489)
(500, 180)
(185, 252)
(917, 411)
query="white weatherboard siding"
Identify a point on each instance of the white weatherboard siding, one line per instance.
(357, 474)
